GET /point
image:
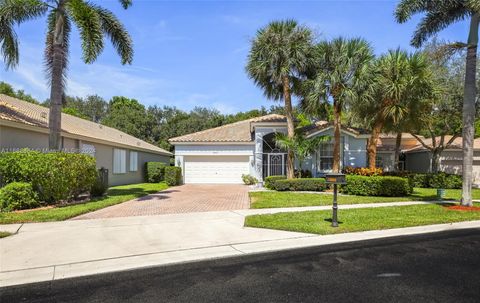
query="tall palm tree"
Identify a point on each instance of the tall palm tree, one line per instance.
(341, 74)
(439, 15)
(402, 82)
(279, 56)
(93, 21)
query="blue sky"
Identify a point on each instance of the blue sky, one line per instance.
(193, 53)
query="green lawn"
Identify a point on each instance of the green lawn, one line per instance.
(115, 195)
(362, 219)
(272, 199)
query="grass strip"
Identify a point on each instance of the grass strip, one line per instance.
(115, 195)
(361, 219)
(295, 199)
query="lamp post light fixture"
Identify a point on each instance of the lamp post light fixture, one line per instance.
(335, 179)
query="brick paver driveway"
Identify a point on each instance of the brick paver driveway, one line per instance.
(180, 199)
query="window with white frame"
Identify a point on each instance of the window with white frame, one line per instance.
(133, 161)
(325, 156)
(119, 161)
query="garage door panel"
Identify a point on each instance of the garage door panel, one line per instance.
(215, 169)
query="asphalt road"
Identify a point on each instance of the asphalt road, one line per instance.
(441, 267)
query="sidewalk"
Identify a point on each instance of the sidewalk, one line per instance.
(57, 250)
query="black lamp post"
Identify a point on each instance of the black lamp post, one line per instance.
(335, 179)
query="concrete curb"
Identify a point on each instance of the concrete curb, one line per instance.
(212, 253)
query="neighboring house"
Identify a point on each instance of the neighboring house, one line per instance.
(386, 150)
(223, 154)
(25, 125)
(418, 158)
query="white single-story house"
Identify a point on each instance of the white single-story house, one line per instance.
(25, 125)
(223, 154)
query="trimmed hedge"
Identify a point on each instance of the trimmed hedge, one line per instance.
(269, 181)
(18, 195)
(173, 175)
(376, 186)
(436, 180)
(155, 171)
(54, 176)
(300, 184)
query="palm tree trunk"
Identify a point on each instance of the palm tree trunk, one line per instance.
(398, 143)
(287, 96)
(470, 92)
(57, 88)
(372, 145)
(337, 125)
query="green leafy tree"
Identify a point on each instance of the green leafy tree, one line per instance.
(95, 108)
(301, 146)
(439, 15)
(8, 90)
(129, 116)
(74, 112)
(341, 73)
(93, 22)
(280, 54)
(440, 120)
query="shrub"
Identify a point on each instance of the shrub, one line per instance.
(173, 175)
(304, 173)
(435, 180)
(54, 176)
(100, 187)
(376, 186)
(362, 171)
(306, 184)
(249, 180)
(270, 180)
(155, 171)
(18, 195)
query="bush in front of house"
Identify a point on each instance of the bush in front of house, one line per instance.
(376, 186)
(362, 171)
(173, 175)
(270, 180)
(100, 187)
(436, 180)
(300, 184)
(155, 171)
(249, 180)
(55, 176)
(17, 196)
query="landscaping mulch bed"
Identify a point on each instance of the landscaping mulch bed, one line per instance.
(464, 208)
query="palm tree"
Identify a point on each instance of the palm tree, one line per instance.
(93, 21)
(402, 82)
(301, 146)
(439, 15)
(280, 54)
(341, 74)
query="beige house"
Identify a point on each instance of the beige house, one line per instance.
(418, 158)
(25, 125)
(223, 154)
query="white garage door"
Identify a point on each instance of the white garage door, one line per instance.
(215, 169)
